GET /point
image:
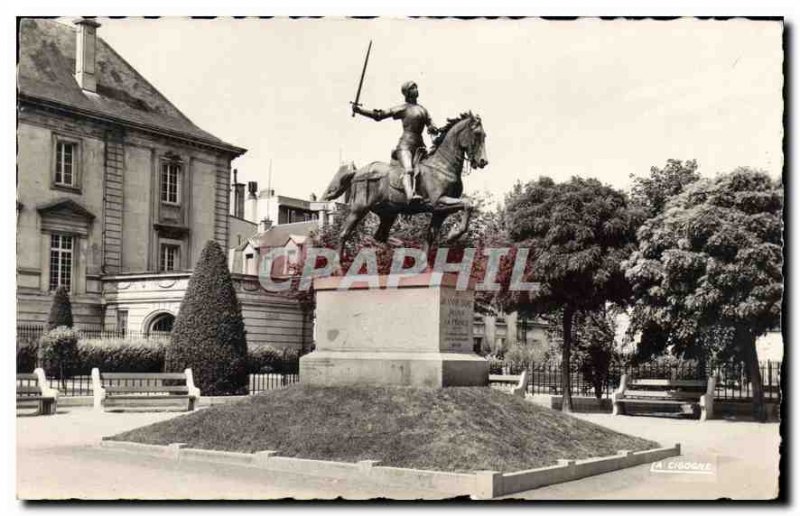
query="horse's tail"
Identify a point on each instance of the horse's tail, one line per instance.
(340, 183)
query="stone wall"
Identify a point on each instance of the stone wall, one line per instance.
(269, 319)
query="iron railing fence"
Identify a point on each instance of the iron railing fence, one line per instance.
(81, 385)
(31, 333)
(269, 381)
(732, 380)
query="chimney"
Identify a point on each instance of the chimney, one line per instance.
(238, 196)
(265, 225)
(252, 201)
(323, 216)
(86, 54)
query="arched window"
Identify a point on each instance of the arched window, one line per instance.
(162, 323)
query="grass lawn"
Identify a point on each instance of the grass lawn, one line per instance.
(452, 429)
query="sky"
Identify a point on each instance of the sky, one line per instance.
(594, 98)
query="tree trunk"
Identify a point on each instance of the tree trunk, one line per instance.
(566, 350)
(746, 339)
(598, 385)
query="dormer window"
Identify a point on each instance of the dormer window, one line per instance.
(171, 172)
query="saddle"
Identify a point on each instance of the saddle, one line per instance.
(377, 170)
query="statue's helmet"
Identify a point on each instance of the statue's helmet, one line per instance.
(406, 87)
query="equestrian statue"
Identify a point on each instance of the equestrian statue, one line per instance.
(414, 181)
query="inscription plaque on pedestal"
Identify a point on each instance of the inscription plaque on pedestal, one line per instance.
(456, 320)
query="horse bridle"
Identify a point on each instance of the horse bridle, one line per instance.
(468, 153)
(471, 150)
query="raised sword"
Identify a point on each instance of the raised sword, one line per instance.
(361, 82)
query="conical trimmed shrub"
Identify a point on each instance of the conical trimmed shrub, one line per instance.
(208, 335)
(60, 310)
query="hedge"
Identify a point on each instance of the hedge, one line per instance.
(134, 355)
(58, 352)
(266, 359)
(26, 355)
(140, 355)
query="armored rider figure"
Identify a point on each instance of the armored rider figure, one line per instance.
(415, 118)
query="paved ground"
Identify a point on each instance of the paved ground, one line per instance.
(57, 457)
(745, 454)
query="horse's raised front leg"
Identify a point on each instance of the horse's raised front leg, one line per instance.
(449, 205)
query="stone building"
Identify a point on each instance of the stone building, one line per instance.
(494, 333)
(274, 221)
(118, 192)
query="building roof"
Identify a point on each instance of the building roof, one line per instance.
(244, 245)
(278, 235)
(294, 202)
(45, 73)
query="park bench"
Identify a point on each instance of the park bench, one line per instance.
(556, 390)
(696, 393)
(518, 383)
(32, 387)
(143, 389)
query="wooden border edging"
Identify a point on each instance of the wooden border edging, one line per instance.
(568, 470)
(480, 484)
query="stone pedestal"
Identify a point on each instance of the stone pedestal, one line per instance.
(418, 334)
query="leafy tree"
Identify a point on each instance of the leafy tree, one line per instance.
(60, 310)
(595, 350)
(209, 335)
(708, 270)
(578, 233)
(662, 184)
(593, 342)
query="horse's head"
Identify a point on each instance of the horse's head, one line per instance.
(463, 135)
(472, 140)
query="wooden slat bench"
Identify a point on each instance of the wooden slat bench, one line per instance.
(696, 393)
(33, 387)
(519, 383)
(131, 389)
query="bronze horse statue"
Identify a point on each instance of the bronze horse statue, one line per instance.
(378, 188)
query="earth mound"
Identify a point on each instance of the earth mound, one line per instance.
(453, 429)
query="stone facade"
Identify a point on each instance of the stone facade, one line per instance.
(142, 299)
(492, 333)
(113, 210)
(118, 192)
